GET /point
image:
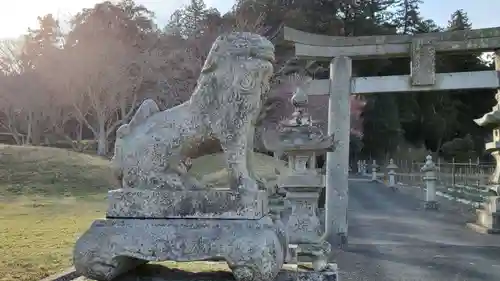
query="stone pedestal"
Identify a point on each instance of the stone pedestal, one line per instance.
(153, 225)
(187, 204)
(488, 217)
(303, 223)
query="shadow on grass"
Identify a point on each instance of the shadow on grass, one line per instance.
(197, 271)
(157, 272)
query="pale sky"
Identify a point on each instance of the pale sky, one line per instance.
(18, 15)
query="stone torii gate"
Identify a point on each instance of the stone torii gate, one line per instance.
(421, 48)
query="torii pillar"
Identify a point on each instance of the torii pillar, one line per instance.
(337, 162)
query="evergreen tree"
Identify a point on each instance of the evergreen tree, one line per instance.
(459, 21)
(193, 18)
(174, 27)
(407, 15)
(45, 38)
(40, 44)
(466, 103)
(125, 21)
(382, 129)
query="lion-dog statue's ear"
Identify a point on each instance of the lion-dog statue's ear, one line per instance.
(212, 58)
(210, 65)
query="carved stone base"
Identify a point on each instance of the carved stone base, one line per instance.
(253, 249)
(483, 229)
(339, 240)
(165, 204)
(490, 221)
(431, 205)
(303, 223)
(488, 218)
(277, 205)
(318, 252)
(289, 273)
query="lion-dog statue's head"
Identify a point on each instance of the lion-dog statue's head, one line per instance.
(239, 62)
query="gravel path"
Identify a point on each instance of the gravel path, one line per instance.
(392, 238)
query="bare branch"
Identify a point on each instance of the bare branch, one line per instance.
(250, 23)
(9, 57)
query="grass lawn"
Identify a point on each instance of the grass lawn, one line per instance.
(49, 196)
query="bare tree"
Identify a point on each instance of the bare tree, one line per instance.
(178, 69)
(10, 57)
(23, 97)
(11, 109)
(103, 78)
(250, 23)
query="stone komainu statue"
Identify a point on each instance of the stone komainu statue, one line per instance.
(159, 214)
(149, 151)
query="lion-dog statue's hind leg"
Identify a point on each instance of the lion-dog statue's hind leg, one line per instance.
(162, 166)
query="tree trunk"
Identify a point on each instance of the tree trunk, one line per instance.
(101, 139)
(36, 130)
(123, 112)
(79, 136)
(30, 128)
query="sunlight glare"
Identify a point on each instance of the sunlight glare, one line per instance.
(21, 14)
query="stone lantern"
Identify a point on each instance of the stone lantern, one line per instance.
(488, 216)
(430, 178)
(374, 170)
(391, 173)
(301, 140)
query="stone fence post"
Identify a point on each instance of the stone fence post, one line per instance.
(430, 178)
(392, 173)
